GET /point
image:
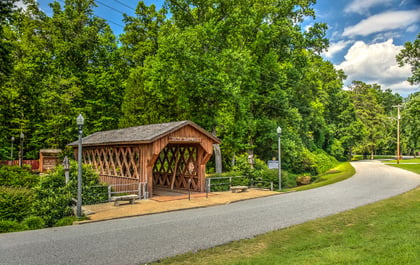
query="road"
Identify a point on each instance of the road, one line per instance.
(139, 240)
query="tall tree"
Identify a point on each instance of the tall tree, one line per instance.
(410, 124)
(63, 65)
(371, 114)
(411, 55)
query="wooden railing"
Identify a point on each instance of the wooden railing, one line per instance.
(33, 163)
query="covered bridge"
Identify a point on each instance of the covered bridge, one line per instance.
(164, 155)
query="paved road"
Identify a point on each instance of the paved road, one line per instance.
(143, 239)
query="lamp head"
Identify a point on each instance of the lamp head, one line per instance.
(80, 120)
(278, 130)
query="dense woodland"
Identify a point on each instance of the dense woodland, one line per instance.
(239, 69)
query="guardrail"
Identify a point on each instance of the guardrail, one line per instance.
(228, 182)
(139, 188)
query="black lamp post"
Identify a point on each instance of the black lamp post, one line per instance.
(21, 149)
(11, 150)
(80, 122)
(278, 135)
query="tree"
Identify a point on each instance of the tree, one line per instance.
(63, 65)
(6, 13)
(411, 55)
(410, 124)
(371, 115)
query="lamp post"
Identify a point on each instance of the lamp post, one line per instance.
(278, 134)
(80, 122)
(11, 150)
(21, 148)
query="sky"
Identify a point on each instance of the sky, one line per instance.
(365, 35)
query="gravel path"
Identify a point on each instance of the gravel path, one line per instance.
(143, 239)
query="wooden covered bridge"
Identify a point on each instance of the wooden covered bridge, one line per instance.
(165, 155)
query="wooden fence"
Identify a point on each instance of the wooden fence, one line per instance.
(33, 163)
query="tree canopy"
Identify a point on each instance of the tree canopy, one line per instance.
(239, 69)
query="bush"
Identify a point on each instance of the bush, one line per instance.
(272, 175)
(10, 226)
(15, 203)
(15, 176)
(317, 162)
(68, 220)
(33, 222)
(53, 198)
(91, 193)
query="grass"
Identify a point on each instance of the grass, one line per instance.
(341, 172)
(403, 164)
(385, 232)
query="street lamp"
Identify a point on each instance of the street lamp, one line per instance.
(278, 134)
(21, 148)
(80, 122)
(11, 150)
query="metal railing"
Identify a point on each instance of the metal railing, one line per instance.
(139, 189)
(228, 181)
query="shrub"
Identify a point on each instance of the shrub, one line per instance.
(33, 222)
(272, 175)
(54, 198)
(317, 162)
(15, 176)
(323, 161)
(68, 220)
(91, 193)
(10, 226)
(15, 203)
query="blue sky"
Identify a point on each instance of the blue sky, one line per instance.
(365, 35)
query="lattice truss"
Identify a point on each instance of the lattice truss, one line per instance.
(175, 165)
(114, 161)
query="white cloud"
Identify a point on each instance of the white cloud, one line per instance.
(383, 22)
(336, 47)
(362, 6)
(21, 4)
(376, 63)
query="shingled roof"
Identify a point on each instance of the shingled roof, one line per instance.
(139, 134)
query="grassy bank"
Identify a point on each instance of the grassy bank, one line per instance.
(385, 232)
(341, 172)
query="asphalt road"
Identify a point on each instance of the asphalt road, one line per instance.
(139, 240)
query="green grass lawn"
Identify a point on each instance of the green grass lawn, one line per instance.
(386, 232)
(404, 164)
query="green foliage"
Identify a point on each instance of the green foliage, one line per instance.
(7, 226)
(15, 203)
(336, 150)
(53, 198)
(92, 191)
(15, 176)
(239, 69)
(266, 176)
(411, 55)
(33, 222)
(68, 220)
